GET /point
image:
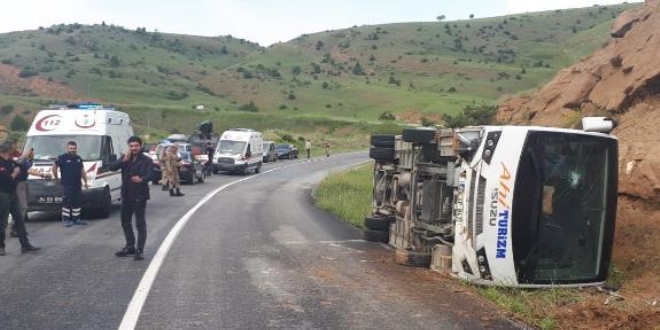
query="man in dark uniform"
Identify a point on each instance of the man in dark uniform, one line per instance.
(136, 172)
(210, 152)
(73, 171)
(9, 172)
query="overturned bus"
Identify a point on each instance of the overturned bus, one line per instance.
(514, 206)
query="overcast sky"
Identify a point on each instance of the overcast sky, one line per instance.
(262, 21)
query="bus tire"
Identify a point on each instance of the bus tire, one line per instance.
(376, 235)
(419, 135)
(382, 140)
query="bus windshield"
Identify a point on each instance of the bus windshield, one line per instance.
(564, 205)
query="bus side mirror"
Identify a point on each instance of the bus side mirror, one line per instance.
(112, 158)
(248, 153)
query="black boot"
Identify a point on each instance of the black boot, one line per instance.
(12, 231)
(29, 248)
(178, 192)
(166, 186)
(172, 192)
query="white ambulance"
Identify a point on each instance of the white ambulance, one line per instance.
(239, 150)
(101, 135)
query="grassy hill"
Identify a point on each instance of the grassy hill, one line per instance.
(352, 76)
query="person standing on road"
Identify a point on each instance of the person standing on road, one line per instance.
(165, 174)
(308, 147)
(9, 172)
(172, 166)
(15, 155)
(25, 164)
(210, 152)
(327, 148)
(136, 172)
(73, 172)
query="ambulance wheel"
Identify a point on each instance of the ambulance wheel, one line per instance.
(258, 169)
(106, 204)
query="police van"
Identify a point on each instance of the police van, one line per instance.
(101, 135)
(239, 150)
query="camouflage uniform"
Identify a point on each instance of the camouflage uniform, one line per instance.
(171, 164)
(165, 174)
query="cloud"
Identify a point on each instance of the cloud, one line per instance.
(521, 6)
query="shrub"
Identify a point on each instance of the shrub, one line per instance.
(27, 72)
(472, 115)
(427, 122)
(249, 107)
(19, 124)
(386, 115)
(7, 109)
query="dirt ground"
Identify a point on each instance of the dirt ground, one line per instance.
(636, 267)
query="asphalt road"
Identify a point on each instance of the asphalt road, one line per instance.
(256, 255)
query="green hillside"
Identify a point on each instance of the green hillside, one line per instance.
(353, 76)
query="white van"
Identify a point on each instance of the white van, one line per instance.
(101, 135)
(239, 150)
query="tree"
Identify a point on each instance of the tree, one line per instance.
(250, 107)
(319, 45)
(357, 69)
(19, 124)
(296, 70)
(114, 61)
(471, 15)
(440, 18)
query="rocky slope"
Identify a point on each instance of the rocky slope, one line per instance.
(621, 80)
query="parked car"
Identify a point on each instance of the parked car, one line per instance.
(191, 169)
(287, 151)
(270, 154)
(149, 150)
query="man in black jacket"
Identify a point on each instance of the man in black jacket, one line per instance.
(136, 172)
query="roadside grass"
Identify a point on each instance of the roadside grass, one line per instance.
(347, 194)
(531, 306)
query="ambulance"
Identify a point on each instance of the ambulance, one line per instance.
(101, 135)
(239, 150)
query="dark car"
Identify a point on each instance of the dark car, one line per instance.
(191, 169)
(287, 151)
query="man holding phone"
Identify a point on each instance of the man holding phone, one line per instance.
(136, 172)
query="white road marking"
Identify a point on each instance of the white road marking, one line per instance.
(140, 296)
